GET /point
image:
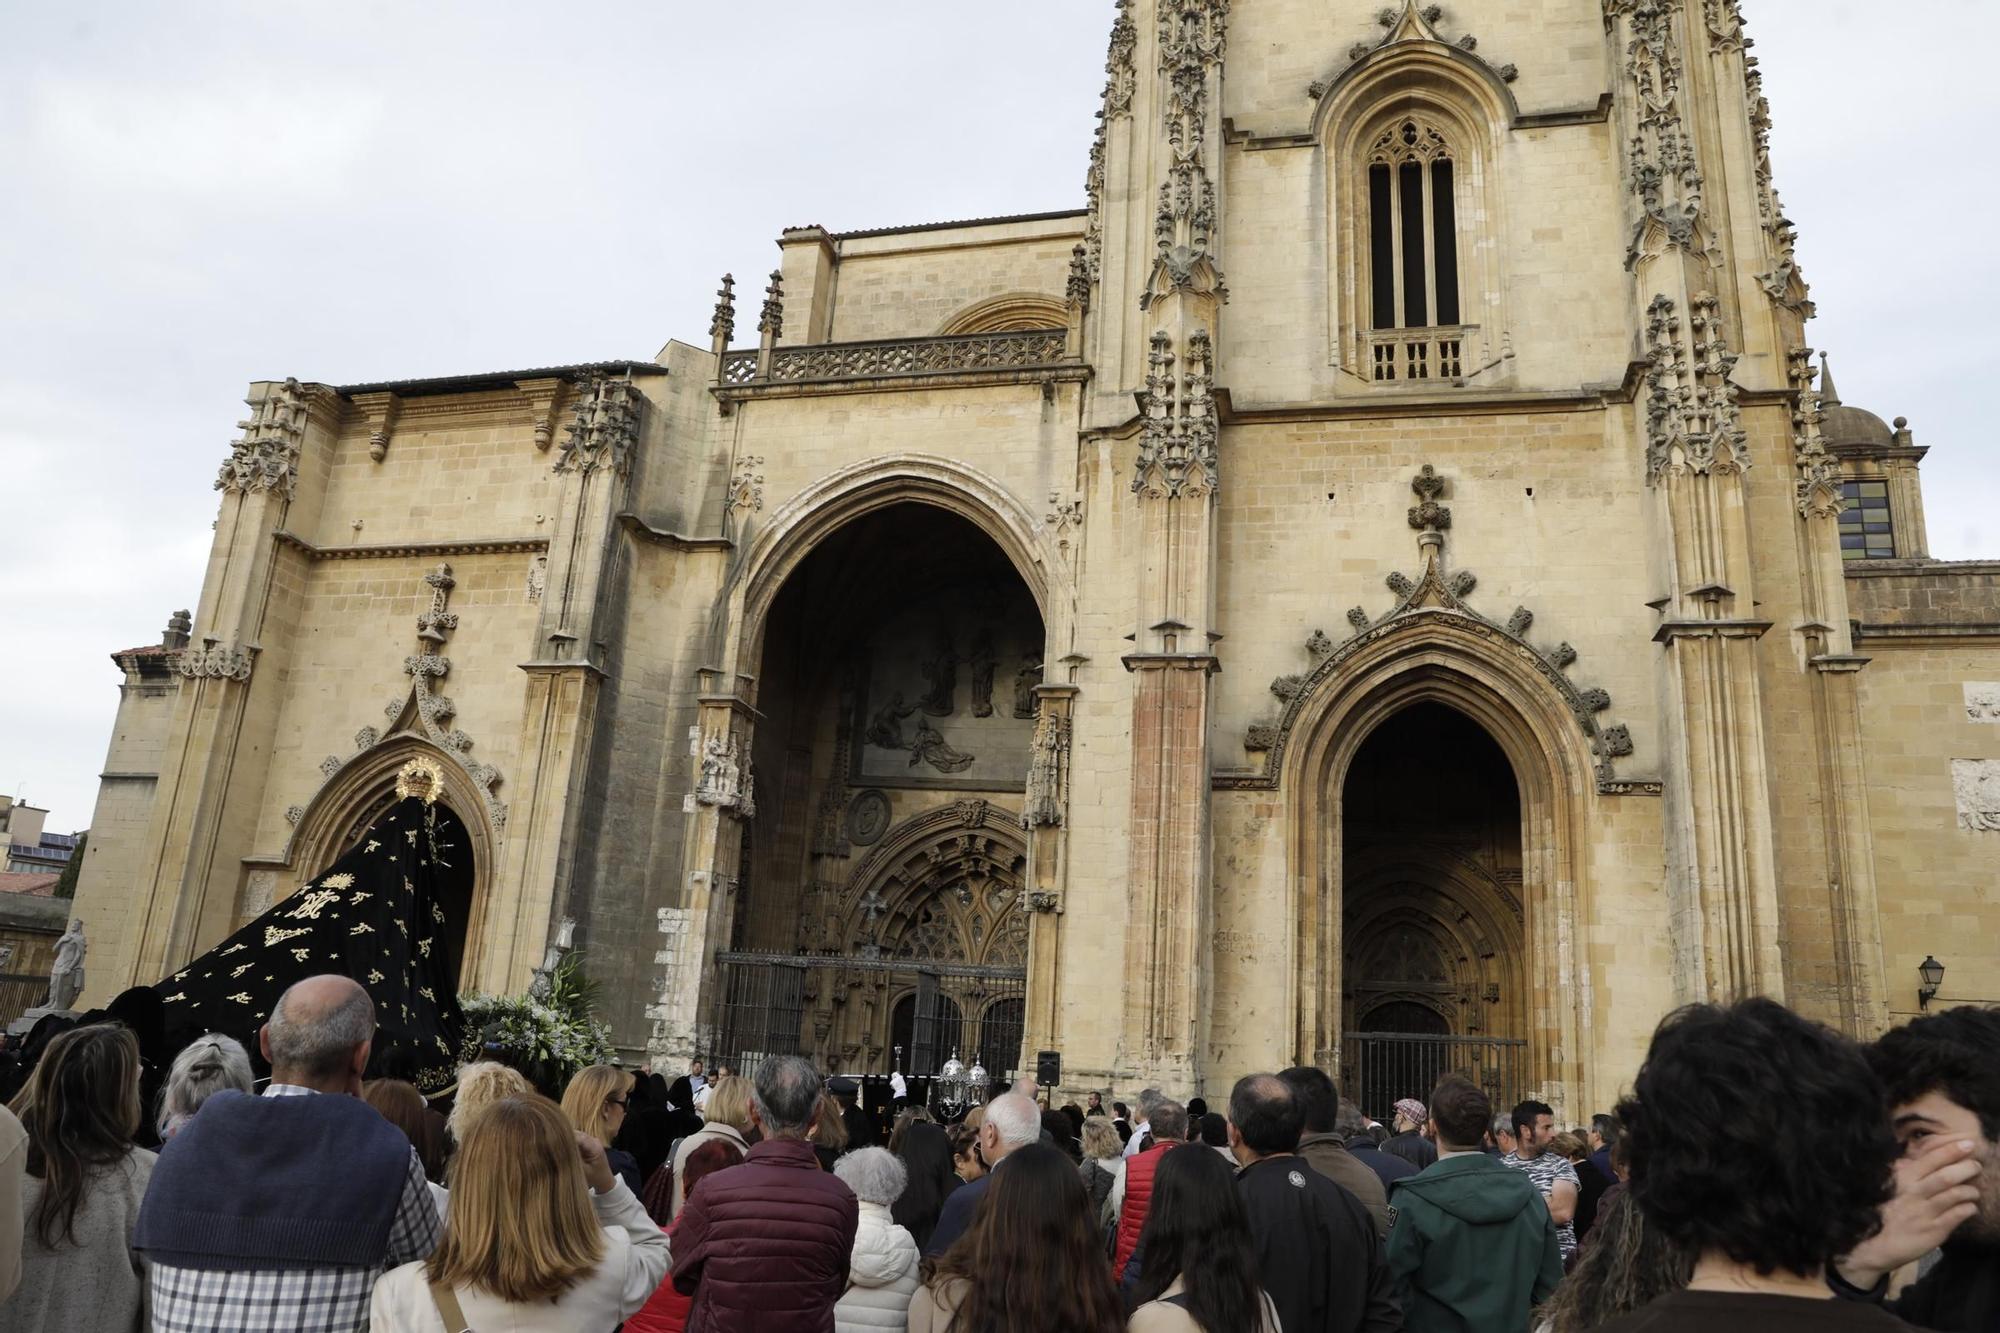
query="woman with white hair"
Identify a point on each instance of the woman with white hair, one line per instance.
(206, 1066)
(882, 1272)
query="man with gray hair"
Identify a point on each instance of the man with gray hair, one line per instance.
(1012, 1122)
(1132, 1193)
(1148, 1099)
(764, 1246)
(280, 1211)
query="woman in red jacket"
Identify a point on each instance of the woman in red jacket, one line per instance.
(667, 1312)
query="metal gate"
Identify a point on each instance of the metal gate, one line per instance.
(928, 1011)
(1380, 1068)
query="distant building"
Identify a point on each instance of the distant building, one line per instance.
(30, 850)
(31, 884)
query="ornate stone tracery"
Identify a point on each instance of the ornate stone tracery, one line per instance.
(1818, 486)
(1664, 172)
(1177, 439)
(1693, 422)
(604, 427)
(1192, 36)
(266, 456)
(944, 886)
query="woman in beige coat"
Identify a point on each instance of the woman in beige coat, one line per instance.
(1197, 1265)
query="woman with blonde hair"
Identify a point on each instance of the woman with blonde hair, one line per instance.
(595, 1103)
(207, 1065)
(480, 1084)
(84, 1184)
(542, 1236)
(727, 1119)
(1103, 1164)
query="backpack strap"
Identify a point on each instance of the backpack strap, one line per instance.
(448, 1306)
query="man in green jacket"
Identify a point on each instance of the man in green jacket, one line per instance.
(1473, 1249)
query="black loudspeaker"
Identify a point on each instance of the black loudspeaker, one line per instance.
(1048, 1068)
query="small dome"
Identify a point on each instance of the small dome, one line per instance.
(1844, 425)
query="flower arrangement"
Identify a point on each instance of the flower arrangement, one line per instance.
(548, 1034)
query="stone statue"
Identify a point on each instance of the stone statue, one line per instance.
(982, 663)
(941, 674)
(66, 977)
(1025, 681)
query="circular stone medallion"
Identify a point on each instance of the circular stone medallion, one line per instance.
(867, 818)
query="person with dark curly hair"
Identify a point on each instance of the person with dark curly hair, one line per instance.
(1759, 1144)
(1943, 1077)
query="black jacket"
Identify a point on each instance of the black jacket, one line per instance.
(1960, 1295)
(1317, 1254)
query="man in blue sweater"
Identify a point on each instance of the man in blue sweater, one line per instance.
(279, 1212)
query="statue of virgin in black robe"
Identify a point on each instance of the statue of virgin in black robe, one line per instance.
(388, 914)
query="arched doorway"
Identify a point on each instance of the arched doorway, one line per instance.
(1431, 973)
(364, 790)
(878, 909)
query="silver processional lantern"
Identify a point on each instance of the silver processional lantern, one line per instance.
(949, 1087)
(975, 1084)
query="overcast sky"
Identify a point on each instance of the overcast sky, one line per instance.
(193, 196)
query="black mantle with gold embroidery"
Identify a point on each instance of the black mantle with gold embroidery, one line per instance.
(376, 915)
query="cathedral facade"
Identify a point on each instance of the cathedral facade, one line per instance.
(1381, 585)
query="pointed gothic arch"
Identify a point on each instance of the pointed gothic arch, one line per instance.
(798, 526)
(1450, 658)
(942, 886)
(364, 788)
(1449, 102)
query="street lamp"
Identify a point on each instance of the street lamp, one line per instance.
(1932, 972)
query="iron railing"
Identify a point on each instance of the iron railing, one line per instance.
(935, 1011)
(19, 993)
(824, 362)
(1380, 1068)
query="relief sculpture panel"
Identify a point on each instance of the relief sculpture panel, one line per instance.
(926, 712)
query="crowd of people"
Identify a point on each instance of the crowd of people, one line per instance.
(1764, 1173)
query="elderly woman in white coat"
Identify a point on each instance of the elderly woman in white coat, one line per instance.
(882, 1271)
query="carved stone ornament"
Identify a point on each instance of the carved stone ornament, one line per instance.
(421, 707)
(1402, 25)
(1982, 701)
(1048, 772)
(771, 319)
(1192, 35)
(1665, 175)
(603, 428)
(1975, 786)
(723, 326)
(727, 781)
(1818, 487)
(868, 818)
(266, 456)
(215, 662)
(1693, 422)
(1435, 597)
(746, 488)
(1177, 435)
(1120, 76)
(1783, 281)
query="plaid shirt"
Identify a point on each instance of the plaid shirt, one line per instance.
(298, 1300)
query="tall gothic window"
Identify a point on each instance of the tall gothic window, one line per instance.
(1413, 229)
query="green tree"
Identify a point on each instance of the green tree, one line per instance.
(66, 885)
